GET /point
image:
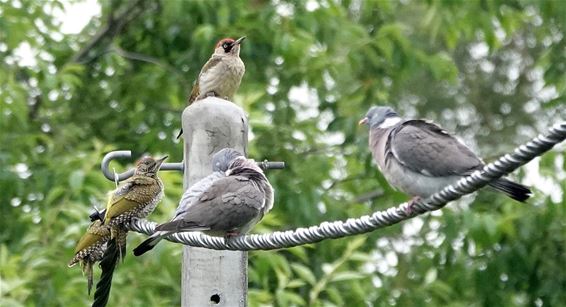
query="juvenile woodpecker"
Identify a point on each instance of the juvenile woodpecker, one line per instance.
(91, 248)
(221, 74)
(137, 197)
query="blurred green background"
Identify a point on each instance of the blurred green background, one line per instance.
(493, 72)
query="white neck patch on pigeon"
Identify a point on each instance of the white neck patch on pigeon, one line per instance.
(390, 121)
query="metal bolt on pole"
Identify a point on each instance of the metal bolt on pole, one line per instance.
(211, 277)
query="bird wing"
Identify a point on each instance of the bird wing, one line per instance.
(194, 92)
(206, 69)
(192, 194)
(228, 204)
(93, 235)
(425, 148)
(136, 191)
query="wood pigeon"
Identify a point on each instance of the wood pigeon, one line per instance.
(420, 158)
(228, 202)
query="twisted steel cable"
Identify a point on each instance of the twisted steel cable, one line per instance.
(378, 219)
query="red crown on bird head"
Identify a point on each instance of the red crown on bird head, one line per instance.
(224, 40)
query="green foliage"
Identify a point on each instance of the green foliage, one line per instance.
(494, 72)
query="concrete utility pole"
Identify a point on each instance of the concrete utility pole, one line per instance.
(210, 277)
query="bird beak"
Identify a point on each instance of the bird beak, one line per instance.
(159, 162)
(239, 41)
(363, 121)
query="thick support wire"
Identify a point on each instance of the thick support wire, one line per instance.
(378, 219)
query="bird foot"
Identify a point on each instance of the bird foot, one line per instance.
(231, 235)
(409, 210)
(210, 94)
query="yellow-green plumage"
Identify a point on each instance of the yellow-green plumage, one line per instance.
(137, 197)
(91, 248)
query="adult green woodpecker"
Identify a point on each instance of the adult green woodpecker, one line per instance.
(137, 197)
(91, 248)
(222, 74)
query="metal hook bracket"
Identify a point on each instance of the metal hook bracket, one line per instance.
(127, 154)
(112, 175)
(175, 166)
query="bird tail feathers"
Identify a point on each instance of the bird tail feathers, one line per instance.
(180, 226)
(171, 226)
(150, 243)
(88, 271)
(512, 189)
(73, 261)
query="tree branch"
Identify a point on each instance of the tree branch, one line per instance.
(115, 25)
(371, 195)
(149, 59)
(343, 180)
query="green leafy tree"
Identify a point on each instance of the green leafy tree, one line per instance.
(494, 72)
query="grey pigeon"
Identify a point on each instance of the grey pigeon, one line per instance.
(228, 202)
(420, 158)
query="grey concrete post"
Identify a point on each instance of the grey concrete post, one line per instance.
(210, 277)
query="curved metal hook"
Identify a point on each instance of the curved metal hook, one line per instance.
(176, 166)
(127, 154)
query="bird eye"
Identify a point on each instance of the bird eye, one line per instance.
(224, 45)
